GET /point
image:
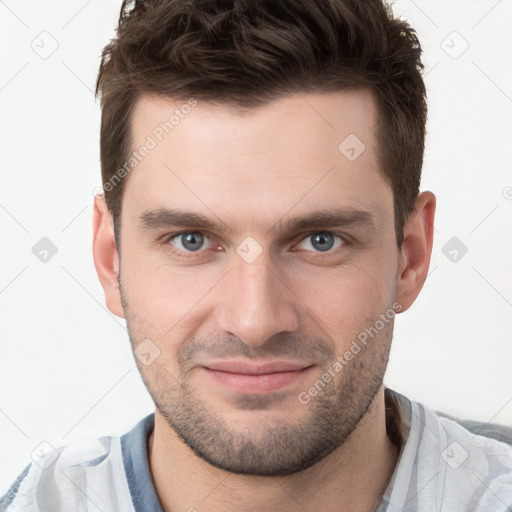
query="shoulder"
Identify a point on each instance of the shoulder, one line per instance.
(473, 471)
(444, 466)
(60, 478)
(476, 463)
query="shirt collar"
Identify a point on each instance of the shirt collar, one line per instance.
(134, 446)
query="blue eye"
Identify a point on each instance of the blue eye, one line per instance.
(186, 243)
(323, 241)
(190, 241)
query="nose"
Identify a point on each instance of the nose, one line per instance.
(258, 302)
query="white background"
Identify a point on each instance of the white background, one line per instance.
(66, 367)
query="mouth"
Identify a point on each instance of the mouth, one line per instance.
(250, 378)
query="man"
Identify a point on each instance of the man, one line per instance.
(261, 226)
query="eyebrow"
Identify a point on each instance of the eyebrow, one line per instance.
(168, 218)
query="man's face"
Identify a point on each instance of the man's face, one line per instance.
(255, 289)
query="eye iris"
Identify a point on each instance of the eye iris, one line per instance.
(325, 240)
(192, 241)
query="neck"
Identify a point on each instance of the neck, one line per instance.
(351, 478)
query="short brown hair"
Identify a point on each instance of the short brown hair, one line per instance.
(246, 53)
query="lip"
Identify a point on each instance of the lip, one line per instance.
(249, 378)
(255, 369)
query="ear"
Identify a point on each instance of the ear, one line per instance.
(106, 258)
(416, 250)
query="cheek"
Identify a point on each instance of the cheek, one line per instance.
(349, 298)
(164, 300)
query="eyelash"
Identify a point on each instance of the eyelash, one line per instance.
(192, 254)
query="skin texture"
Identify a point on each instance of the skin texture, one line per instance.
(213, 448)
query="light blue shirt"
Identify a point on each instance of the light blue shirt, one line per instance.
(442, 467)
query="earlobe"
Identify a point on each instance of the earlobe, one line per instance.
(106, 257)
(416, 250)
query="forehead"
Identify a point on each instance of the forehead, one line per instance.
(295, 154)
